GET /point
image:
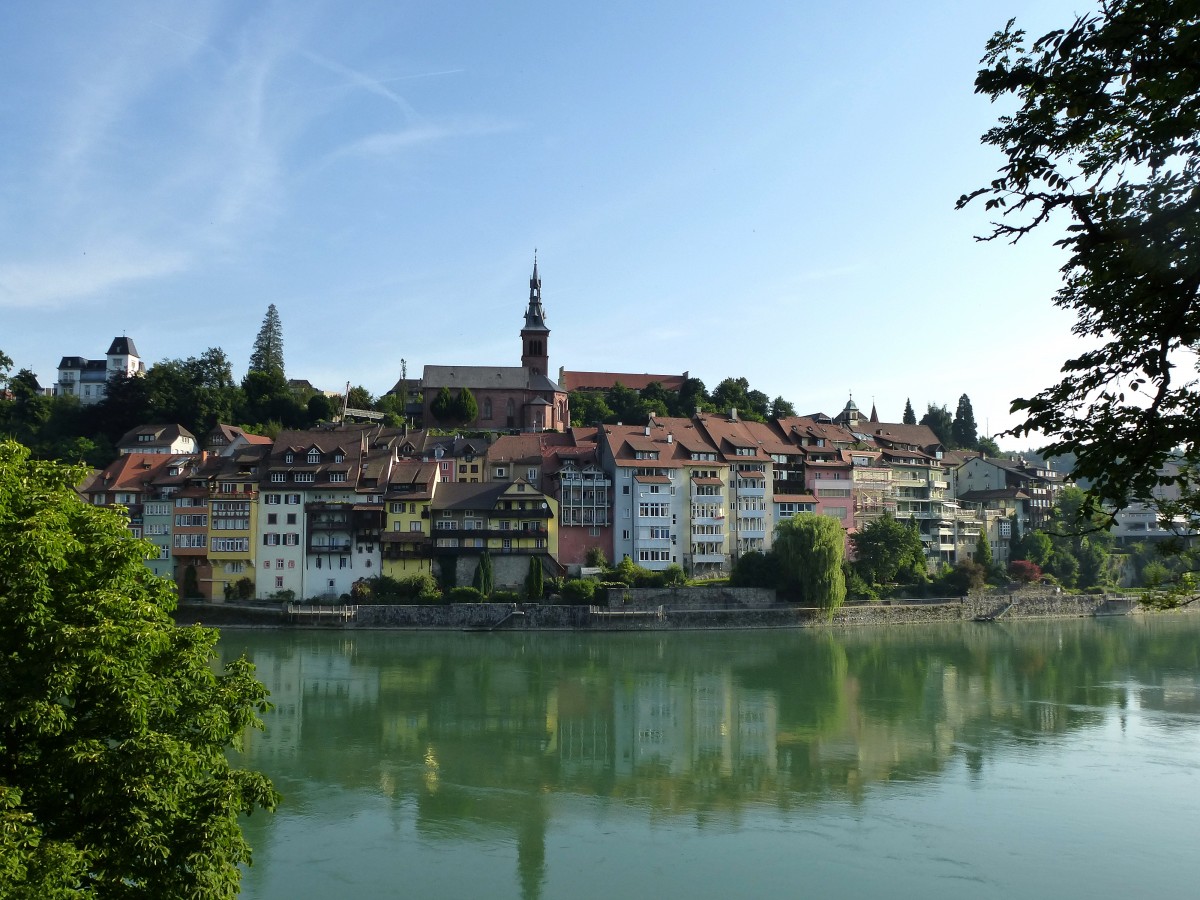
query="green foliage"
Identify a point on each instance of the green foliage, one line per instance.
(360, 398)
(810, 549)
(267, 355)
(321, 408)
(781, 409)
(965, 577)
(672, 576)
(534, 581)
(443, 407)
(910, 417)
(465, 408)
(735, 393)
(755, 569)
(963, 429)
(1104, 149)
(448, 571)
(579, 591)
(114, 779)
(940, 423)
(1034, 546)
(417, 588)
(856, 586)
(363, 590)
(243, 589)
(505, 596)
(484, 579)
(988, 447)
(889, 552)
(596, 559)
(464, 595)
(983, 551)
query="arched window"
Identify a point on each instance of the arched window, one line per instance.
(510, 412)
(487, 408)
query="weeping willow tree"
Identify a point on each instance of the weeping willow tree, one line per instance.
(810, 549)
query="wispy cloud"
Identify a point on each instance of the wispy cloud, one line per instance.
(390, 142)
(53, 283)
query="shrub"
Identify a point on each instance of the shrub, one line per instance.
(504, 596)
(673, 576)
(1024, 571)
(579, 591)
(243, 588)
(464, 595)
(755, 569)
(595, 558)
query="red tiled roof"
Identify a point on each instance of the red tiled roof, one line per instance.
(604, 381)
(652, 479)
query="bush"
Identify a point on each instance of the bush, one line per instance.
(243, 588)
(755, 570)
(673, 576)
(504, 596)
(418, 588)
(579, 591)
(595, 558)
(464, 595)
(288, 596)
(1024, 571)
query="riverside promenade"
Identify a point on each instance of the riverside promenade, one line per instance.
(639, 609)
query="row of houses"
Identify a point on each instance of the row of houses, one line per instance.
(310, 513)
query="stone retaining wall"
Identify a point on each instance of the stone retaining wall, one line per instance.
(683, 612)
(695, 598)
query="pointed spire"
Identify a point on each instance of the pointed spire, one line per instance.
(874, 414)
(535, 316)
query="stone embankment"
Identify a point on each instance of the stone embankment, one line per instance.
(661, 609)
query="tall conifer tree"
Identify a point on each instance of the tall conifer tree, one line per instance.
(267, 355)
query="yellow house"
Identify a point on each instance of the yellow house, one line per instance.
(406, 537)
(233, 518)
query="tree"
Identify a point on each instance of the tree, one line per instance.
(781, 409)
(6, 365)
(484, 580)
(810, 549)
(988, 447)
(465, 408)
(114, 780)
(321, 408)
(1107, 137)
(442, 407)
(963, 429)
(910, 417)
(534, 581)
(888, 552)
(692, 396)
(360, 398)
(1024, 571)
(735, 393)
(267, 355)
(939, 422)
(983, 551)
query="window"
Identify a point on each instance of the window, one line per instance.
(292, 499)
(231, 545)
(291, 539)
(291, 518)
(487, 408)
(660, 533)
(278, 477)
(531, 475)
(336, 476)
(271, 499)
(506, 543)
(279, 563)
(306, 477)
(271, 539)
(339, 456)
(501, 472)
(342, 562)
(652, 510)
(412, 526)
(191, 541)
(191, 521)
(272, 518)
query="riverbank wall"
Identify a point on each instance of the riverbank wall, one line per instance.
(660, 610)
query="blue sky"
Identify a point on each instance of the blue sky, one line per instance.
(762, 190)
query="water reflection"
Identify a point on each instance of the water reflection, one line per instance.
(474, 737)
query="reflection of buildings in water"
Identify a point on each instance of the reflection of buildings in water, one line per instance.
(280, 738)
(705, 725)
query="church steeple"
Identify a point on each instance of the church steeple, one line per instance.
(535, 336)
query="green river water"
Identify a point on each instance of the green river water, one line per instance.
(1054, 759)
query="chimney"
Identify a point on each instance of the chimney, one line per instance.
(647, 431)
(733, 414)
(670, 438)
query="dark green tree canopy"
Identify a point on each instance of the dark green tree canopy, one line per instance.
(1105, 141)
(964, 430)
(267, 355)
(939, 422)
(810, 549)
(910, 417)
(114, 779)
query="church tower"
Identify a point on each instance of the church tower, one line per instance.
(535, 336)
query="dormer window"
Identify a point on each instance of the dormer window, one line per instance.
(339, 456)
(289, 457)
(314, 456)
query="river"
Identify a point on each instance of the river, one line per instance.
(1025, 759)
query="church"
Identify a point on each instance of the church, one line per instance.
(509, 398)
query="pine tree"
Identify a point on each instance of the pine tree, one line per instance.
(910, 417)
(966, 434)
(267, 355)
(443, 405)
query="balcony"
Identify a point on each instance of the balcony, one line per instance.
(330, 547)
(703, 558)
